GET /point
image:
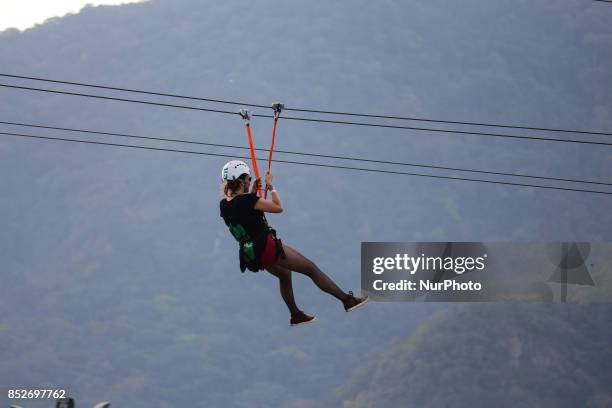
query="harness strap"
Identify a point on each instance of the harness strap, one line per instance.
(246, 116)
(277, 107)
(279, 245)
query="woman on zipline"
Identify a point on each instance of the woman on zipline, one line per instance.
(243, 212)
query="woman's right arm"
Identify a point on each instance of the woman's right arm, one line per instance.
(268, 206)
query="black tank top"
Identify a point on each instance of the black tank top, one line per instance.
(244, 221)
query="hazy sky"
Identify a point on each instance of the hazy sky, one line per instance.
(23, 14)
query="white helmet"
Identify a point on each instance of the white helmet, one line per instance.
(234, 169)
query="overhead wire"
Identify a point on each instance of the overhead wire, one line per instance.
(318, 111)
(309, 120)
(377, 125)
(306, 154)
(112, 98)
(310, 164)
(114, 88)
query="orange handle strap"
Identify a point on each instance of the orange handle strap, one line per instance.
(253, 158)
(272, 145)
(271, 149)
(278, 107)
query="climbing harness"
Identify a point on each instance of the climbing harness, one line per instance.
(244, 240)
(267, 244)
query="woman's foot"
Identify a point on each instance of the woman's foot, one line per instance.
(351, 302)
(301, 318)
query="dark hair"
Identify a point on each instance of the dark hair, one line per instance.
(235, 185)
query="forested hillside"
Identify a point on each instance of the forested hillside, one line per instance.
(120, 281)
(508, 356)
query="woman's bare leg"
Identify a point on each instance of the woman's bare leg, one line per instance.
(286, 289)
(295, 261)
